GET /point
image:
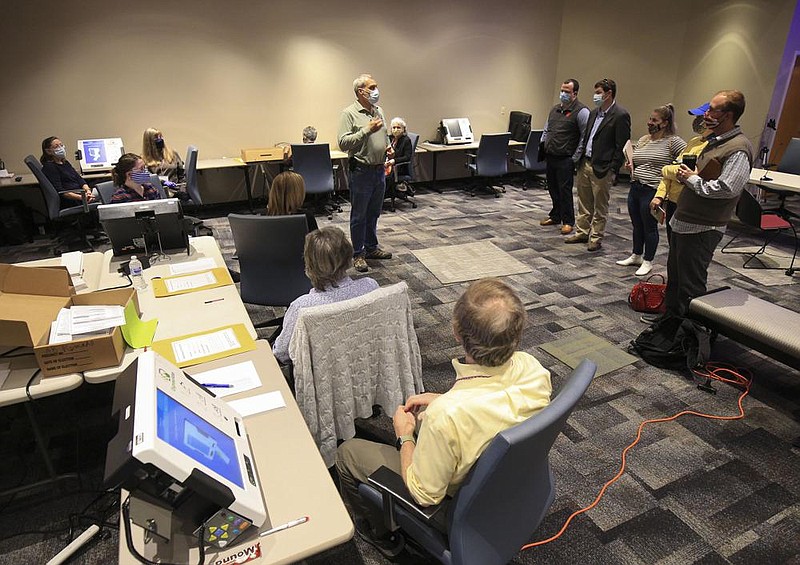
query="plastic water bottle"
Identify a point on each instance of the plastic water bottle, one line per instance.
(136, 274)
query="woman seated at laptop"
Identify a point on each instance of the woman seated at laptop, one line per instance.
(160, 159)
(327, 254)
(63, 176)
(286, 195)
(132, 180)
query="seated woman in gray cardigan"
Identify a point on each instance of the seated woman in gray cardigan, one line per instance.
(328, 254)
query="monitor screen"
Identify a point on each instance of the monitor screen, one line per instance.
(190, 434)
(99, 154)
(453, 127)
(134, 226)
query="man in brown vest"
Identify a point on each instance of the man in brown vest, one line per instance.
(710, 194)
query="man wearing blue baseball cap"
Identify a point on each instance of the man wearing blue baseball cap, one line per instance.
(711, 191)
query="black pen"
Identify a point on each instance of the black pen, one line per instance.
(215, 300)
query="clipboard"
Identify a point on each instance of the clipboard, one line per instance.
(175, 349)
(220, 274)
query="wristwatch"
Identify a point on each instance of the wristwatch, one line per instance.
(404, 438)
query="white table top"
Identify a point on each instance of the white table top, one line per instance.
(434, 147)
(177, 315)
(22, 369)
(786, 182)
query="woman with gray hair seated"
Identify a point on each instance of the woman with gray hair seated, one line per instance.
(309, 134)
(328, 255)
(403, 153)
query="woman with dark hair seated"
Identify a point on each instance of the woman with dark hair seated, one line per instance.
(66, 180)
(286, 195)
(328, 254)
(132, 180)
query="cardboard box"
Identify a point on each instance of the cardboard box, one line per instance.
(30, 299)
(262, 154)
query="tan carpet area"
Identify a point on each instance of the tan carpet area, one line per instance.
(469, 262)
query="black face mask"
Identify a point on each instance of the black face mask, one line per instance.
(159, 143)
(653, 128)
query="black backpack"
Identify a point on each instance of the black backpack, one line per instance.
(674, 343)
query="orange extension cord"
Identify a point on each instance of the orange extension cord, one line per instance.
(711, 371)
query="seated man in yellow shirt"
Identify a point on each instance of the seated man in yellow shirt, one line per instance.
(496, 387)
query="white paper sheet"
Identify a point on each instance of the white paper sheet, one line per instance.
(192, 266)
(259, 403)
(59, 330)
(87, 319)
(73, 261)
(190, 281)
(242, 376)
(204, 345)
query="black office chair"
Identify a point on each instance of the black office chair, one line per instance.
(519, 124)
(107, 189)
(504, 497)
(790, 161)
(312, 161)
(769, 223)
(528, 158)
(270, 250)
(398, 185)
(491, 161)
(57, 216)
(191, 188)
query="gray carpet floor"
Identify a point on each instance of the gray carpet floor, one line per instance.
(695, 490)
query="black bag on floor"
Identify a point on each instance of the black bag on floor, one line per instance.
(16, 223)
(674, 343)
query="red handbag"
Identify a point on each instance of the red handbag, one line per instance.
(648, 296)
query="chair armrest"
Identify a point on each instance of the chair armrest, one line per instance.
(472, 156)
(85, 202)
(394, 490)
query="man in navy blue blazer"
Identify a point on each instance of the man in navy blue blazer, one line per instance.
(607, 131)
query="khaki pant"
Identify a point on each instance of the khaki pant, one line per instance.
(593, 195)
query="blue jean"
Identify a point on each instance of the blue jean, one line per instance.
(367, 186)
(645, 226)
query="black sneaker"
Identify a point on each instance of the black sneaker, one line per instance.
(390, 545)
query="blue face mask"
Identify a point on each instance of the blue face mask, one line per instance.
(140, 177)
(597, 99)
(60, 152)
(373, 96)
(565, 97)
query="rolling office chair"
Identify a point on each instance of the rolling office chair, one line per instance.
(528, 158)
(504, 497)
(490, 161)
(55, 214)
(402, 175)
(312, 161)
(271, 266)
(519, 124)
(769, 223)
(190, 185)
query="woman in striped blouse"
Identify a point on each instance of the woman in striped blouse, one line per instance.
(661, 146)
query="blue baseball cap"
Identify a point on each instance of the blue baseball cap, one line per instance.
(700, 110)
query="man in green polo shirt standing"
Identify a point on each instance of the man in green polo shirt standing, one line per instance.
(363, 135)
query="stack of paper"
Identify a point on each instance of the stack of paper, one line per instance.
(85, 321)
(73, 261)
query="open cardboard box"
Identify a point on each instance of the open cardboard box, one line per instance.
(30, 299)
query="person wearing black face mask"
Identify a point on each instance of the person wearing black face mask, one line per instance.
(651, 153)
(160, 158)
(65, 179)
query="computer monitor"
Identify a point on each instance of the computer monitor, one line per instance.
(457, 130)
(145, 227)
(183, 449)
(99, 155)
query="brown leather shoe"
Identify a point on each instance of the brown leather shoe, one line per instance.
(547, 222)
(577, 238)
(566, 229)
(595, 246)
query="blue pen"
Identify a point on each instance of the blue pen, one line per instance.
(216, 385)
